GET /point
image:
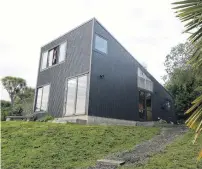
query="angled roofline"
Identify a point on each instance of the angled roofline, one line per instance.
(145, 70)
(68, 32)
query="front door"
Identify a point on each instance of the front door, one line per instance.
(148, 106)
(145, 109)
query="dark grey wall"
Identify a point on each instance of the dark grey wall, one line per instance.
(116, 95)
(113, 96)
(77, 62)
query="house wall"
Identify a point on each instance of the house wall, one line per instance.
(117, 94)
(114, 96)
(77, 62)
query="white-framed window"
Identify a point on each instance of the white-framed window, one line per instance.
(54, 56)
(101, 44)
(143, 81)
(44, 60)
(75, 99)
(62, 51)
(42, 98)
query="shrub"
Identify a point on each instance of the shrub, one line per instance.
(46, 118)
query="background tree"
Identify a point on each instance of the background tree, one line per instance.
(14, 86)
(23, 104)
(177, 59)
(180, 80)
(190, 12)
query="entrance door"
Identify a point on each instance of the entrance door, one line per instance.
(145, 107)
(142, 112)
(148, 106)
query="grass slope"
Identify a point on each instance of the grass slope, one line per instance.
(48, 145)
(181, 154)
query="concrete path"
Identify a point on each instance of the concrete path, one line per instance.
(142, 152)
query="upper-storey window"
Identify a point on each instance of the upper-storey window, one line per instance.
(44, 60)
(100, 44)
(53, 56)
(144, 82)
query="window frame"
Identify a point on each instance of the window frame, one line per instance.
(58, 53)
(38, 87)
(42, 60)
(142, 75)
(75, 100)
(97, 50)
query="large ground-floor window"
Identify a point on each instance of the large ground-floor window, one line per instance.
(75, 100)
(42, 98)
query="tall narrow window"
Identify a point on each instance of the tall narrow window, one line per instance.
(62, 52)
(50, 57)
(100, 44)
(71, 96)
(44, 60)
(44, 103)
(81, 95)
(39, 97)
(42, 98)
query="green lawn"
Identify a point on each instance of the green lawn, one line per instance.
(181, 154)
(48, 145)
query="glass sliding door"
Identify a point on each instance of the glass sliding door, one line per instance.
(81, 95)
(71, 96)
(75, 103)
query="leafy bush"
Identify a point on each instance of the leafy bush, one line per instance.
(5, 109)
(3, 115)
(46, 118)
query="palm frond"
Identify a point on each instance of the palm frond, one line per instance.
(190, 11)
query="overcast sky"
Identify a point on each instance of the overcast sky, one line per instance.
(147, 29)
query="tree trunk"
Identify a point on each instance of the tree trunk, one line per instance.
(12, 103)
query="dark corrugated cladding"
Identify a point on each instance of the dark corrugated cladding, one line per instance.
(77, 62)
(114, 96)
(117, 94)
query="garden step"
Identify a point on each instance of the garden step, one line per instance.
(110, 162)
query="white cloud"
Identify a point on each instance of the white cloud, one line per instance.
(148, 29)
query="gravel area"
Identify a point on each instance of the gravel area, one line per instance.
(142, 152)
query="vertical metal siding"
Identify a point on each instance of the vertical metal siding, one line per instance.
(77, 62)
(114, 95)
(117, 94)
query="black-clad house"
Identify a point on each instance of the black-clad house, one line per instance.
(87, 74)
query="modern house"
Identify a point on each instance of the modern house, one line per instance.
(87, 74)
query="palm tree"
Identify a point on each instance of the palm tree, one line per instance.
(190, 12)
